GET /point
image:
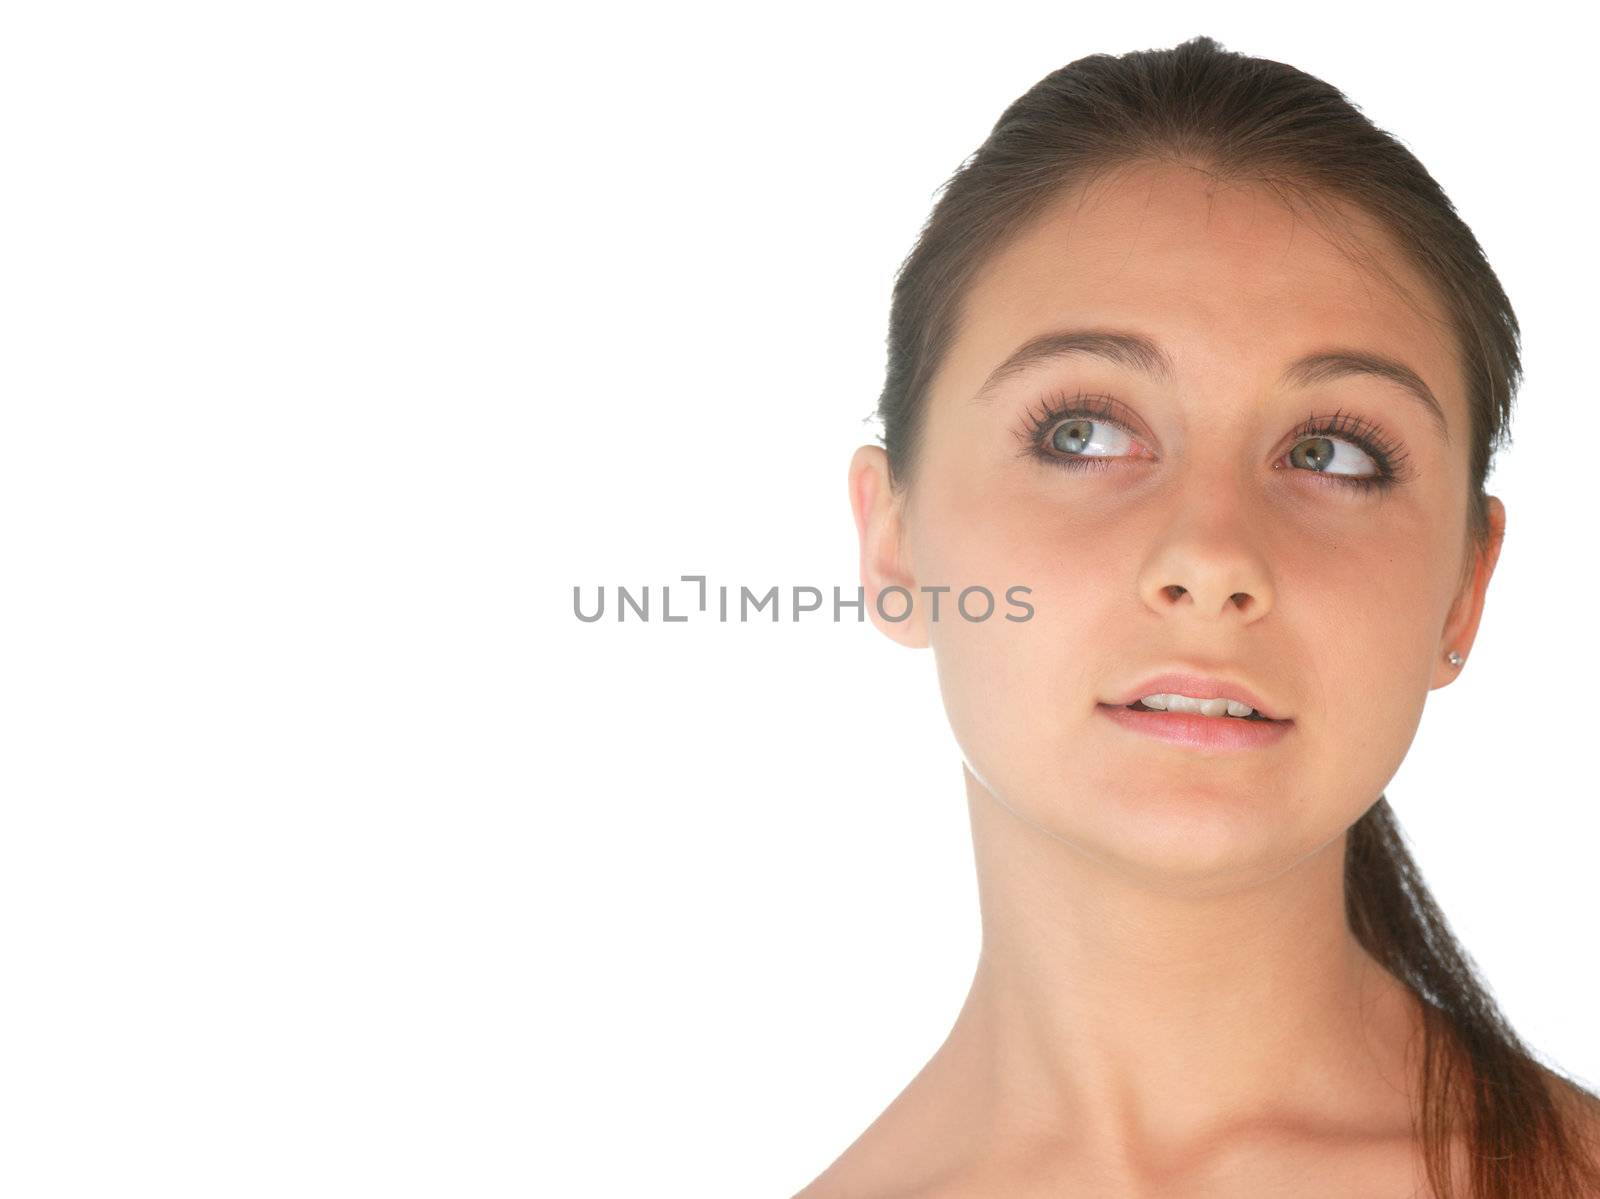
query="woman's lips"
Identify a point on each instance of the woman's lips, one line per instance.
(1199, 732)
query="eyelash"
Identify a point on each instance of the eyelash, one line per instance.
(1365, 436)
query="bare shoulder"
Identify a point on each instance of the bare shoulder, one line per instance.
(873, 1169)
(848, 1178)
(835, 1186)
(921, 1146)
(881, 1163)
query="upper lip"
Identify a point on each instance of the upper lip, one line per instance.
(1199, 686)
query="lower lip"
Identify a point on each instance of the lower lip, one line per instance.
(1200, 732)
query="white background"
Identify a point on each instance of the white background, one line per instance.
(341, 341)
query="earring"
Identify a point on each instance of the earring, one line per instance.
(1455, 658)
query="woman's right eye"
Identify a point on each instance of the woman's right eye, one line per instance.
(1082, 440)
(1075, 431)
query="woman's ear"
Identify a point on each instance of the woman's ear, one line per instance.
(1461, 627)
(879, 516)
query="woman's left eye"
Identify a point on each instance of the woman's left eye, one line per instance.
(1316, 453)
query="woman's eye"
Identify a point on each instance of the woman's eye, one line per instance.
(1081, 437)
(1333, 456)
(1087, 437)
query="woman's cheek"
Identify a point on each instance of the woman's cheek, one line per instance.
(990, 683)
(1016, 691)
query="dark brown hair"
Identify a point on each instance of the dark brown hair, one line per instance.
(1254, 120)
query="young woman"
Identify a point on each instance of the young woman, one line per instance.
(1209, 362)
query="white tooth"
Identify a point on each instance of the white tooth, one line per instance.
(1220, 706)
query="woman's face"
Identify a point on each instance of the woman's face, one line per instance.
(1205, 539)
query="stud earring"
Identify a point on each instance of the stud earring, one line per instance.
(1455, 658)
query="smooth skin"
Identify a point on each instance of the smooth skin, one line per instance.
(1169, 1001)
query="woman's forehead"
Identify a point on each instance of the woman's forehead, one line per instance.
(1219, 273)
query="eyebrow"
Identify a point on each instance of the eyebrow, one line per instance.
(1140, 353)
